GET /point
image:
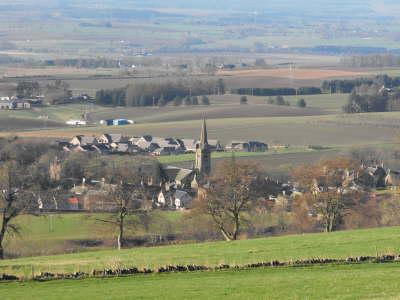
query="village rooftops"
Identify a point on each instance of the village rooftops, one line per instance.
(175, 174)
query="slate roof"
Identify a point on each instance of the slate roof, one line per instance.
(176, 174)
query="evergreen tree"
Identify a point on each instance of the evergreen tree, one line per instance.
(280, 100)
(301, 103)
(162, 101)
(195, 100)
(178, 101)
(220, 86)
(188, 100)
(205, 100)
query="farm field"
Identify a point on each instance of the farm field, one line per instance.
(293, 73)
(223, 106)
(59, 113)
(224, 155)
(56, 233)
(188, 113)
(325, 103)
(328, 131)
(43, 117)
(281, 163)
(8, 124)
(340, 244)
(374, 281)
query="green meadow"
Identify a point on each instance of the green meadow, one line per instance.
(341, 244)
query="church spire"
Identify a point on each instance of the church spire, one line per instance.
(203, 135)
(203, 154)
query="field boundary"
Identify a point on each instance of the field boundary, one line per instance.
(109, 273)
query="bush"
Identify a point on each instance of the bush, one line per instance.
(205, 100)
(301, 103)
(178, 101)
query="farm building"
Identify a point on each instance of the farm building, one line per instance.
(177, 199)
(109, 138)
(116, 122)
(5, 104)
(251, 146)
(73, 203)
(20, 104)
(83, 140)
(76, 122)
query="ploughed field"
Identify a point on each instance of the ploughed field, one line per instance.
(293, 73)
(8, 124)
(329, 130)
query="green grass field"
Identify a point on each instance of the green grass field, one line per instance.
(322, 245)
(220, 155)
(365, 281)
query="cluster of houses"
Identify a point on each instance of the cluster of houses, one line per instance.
(110, 143)
(177, 186)
(7, 103)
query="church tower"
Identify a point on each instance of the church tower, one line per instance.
(203, 154)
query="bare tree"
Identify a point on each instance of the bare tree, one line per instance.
(330, 189)
(235, 189)
(16, 199)
(124, 201)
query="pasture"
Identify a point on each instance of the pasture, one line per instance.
(342, 244)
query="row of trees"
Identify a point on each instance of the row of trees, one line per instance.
(54, 92)
(347, 85)
(371, 61)
(279, 100)
(159, 94)
(277, 91)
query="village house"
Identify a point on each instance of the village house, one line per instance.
(176, 199)
(112, 138)
(250, 146)
(82, 140)
(20, 104)
(5, 104)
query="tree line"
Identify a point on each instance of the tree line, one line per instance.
(277, 91)
(372, 99)
(347, 85)
(371, 61)
(327, 86)
(162, 93)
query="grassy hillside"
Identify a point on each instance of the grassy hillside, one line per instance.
(366, 281)
(323, 245)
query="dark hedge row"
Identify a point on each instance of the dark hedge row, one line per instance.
(277, 91)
